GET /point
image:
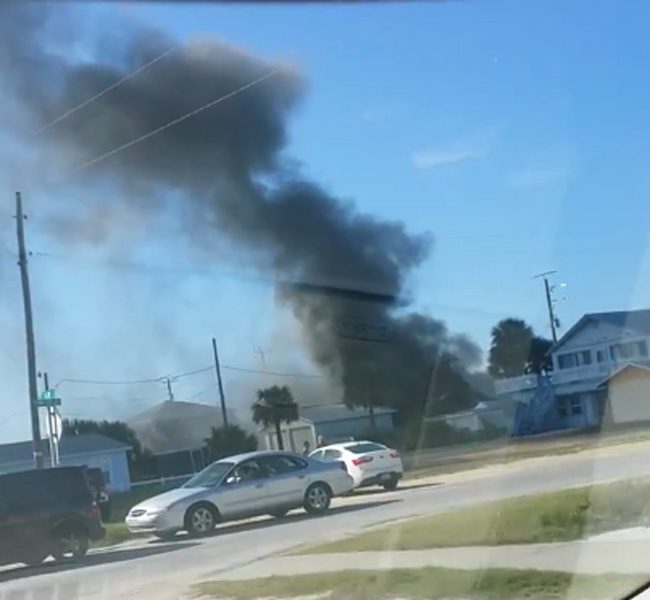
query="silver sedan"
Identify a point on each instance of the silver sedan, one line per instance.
(238, 487)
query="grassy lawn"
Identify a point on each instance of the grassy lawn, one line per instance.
(451, 459)
(429, 584)
(115, 534)
(557, 516)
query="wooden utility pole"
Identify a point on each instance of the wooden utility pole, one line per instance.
(170, 393)
(552, 319)
(217, 368)
(29, 334)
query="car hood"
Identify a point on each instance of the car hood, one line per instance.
(164, 500)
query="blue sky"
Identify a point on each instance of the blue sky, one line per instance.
(516, 132)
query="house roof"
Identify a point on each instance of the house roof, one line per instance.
(630, 366)
(324, 413)
(85, 443)
(636, 320)
(173, 426)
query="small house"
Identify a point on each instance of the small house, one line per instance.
(175, 432)
(627, 393)
(86, 449)
(334, 422)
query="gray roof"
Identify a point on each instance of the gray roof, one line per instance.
(173, 426)
(643, 368)
(636, 320)
(324, 413)
(85, 443)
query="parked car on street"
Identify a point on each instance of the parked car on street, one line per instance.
(47, 512)
(368, 463)
(241, 486)
(98, 487)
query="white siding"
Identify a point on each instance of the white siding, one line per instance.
(629, 398)
(594, 336)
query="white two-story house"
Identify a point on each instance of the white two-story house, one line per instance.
(601, 371)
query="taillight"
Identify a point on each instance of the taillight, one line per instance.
(361, 460)
(93, 510)
(394, 454)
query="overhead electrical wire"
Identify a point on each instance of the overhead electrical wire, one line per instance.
(180, 119)
(85, 103)
(275, 373)
(177, 376)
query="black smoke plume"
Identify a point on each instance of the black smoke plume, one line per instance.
(227, 170)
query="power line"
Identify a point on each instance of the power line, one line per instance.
(163, 378)
(276, 373)
(160, 379)
(180, 119)
(108, 382)
(66, 114)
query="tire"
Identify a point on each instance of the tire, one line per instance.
(200, 520)
(391, 486)
(105, 512)
(70, 543)
(279, 514)
(317, 498)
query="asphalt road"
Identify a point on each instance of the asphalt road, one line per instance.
(155, 570)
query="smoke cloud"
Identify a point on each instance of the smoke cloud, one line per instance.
(225, 170)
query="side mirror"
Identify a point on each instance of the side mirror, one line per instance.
(232, 479)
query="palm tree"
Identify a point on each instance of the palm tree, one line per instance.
(275, 405)
(229, 440)
(510, 348)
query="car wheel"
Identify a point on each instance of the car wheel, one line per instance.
(279, 514)
(391, 485)
(201, 520)
(70, 543)
(317, 499)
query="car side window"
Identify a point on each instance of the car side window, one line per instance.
(331, 454)
(246, 471)
(279, 465)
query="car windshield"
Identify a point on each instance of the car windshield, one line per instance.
(210, 476)
(410, 240)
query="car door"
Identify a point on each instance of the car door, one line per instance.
(7, 524)
(244, 490)
(287, 479)
(23, 516)
(332, 455)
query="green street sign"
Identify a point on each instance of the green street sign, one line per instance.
(48, 398)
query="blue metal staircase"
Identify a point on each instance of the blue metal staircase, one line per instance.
(539, 414)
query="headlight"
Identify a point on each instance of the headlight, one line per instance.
(161, 509)
(157, 510)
